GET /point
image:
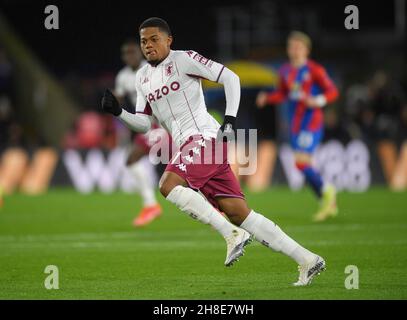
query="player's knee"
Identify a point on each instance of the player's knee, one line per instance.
(169, 181)
(166, 186)
(302, 160)
(301, 165)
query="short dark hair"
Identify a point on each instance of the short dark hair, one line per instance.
(157, 23)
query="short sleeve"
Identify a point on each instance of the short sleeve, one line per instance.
(195, 65)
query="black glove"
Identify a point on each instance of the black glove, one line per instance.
(110, 103)
(227, 131)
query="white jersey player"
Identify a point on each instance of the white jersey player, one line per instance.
(170, 89)
(125, 88)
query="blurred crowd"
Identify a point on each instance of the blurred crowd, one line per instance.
(11, 131)
(377, 109)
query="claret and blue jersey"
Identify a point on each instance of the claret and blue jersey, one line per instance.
(306, 123)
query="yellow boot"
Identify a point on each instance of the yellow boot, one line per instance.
(328, 206)
(1, 197)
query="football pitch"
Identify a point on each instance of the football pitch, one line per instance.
(100, 255)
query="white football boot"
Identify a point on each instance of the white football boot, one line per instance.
(309, 270)
(236, 243)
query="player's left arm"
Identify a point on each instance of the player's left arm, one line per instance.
(231, 85)
(197, 66)
(329, 91)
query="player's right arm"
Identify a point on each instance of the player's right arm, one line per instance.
(276, 97)
(140, 121)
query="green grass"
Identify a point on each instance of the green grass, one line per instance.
(101, 256)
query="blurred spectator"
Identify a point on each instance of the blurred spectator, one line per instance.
(373, 108)
(6, 81)
(11, 133)
(359, 117)
(5, 121)
(334, 128)
(387, 101)
(91, 130)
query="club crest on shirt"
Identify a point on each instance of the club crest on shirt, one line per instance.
(169, 69)
(306, 76)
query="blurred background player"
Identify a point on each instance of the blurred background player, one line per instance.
(307, 87)
(125, 88)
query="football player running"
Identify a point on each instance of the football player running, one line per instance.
(169, 87)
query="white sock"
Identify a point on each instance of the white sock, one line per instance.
(146, 190)
(270, 235)
(199, 208)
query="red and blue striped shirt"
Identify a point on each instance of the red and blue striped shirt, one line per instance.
(295, 84)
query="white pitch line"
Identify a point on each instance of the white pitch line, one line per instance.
(204, 232)
(176, 244)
